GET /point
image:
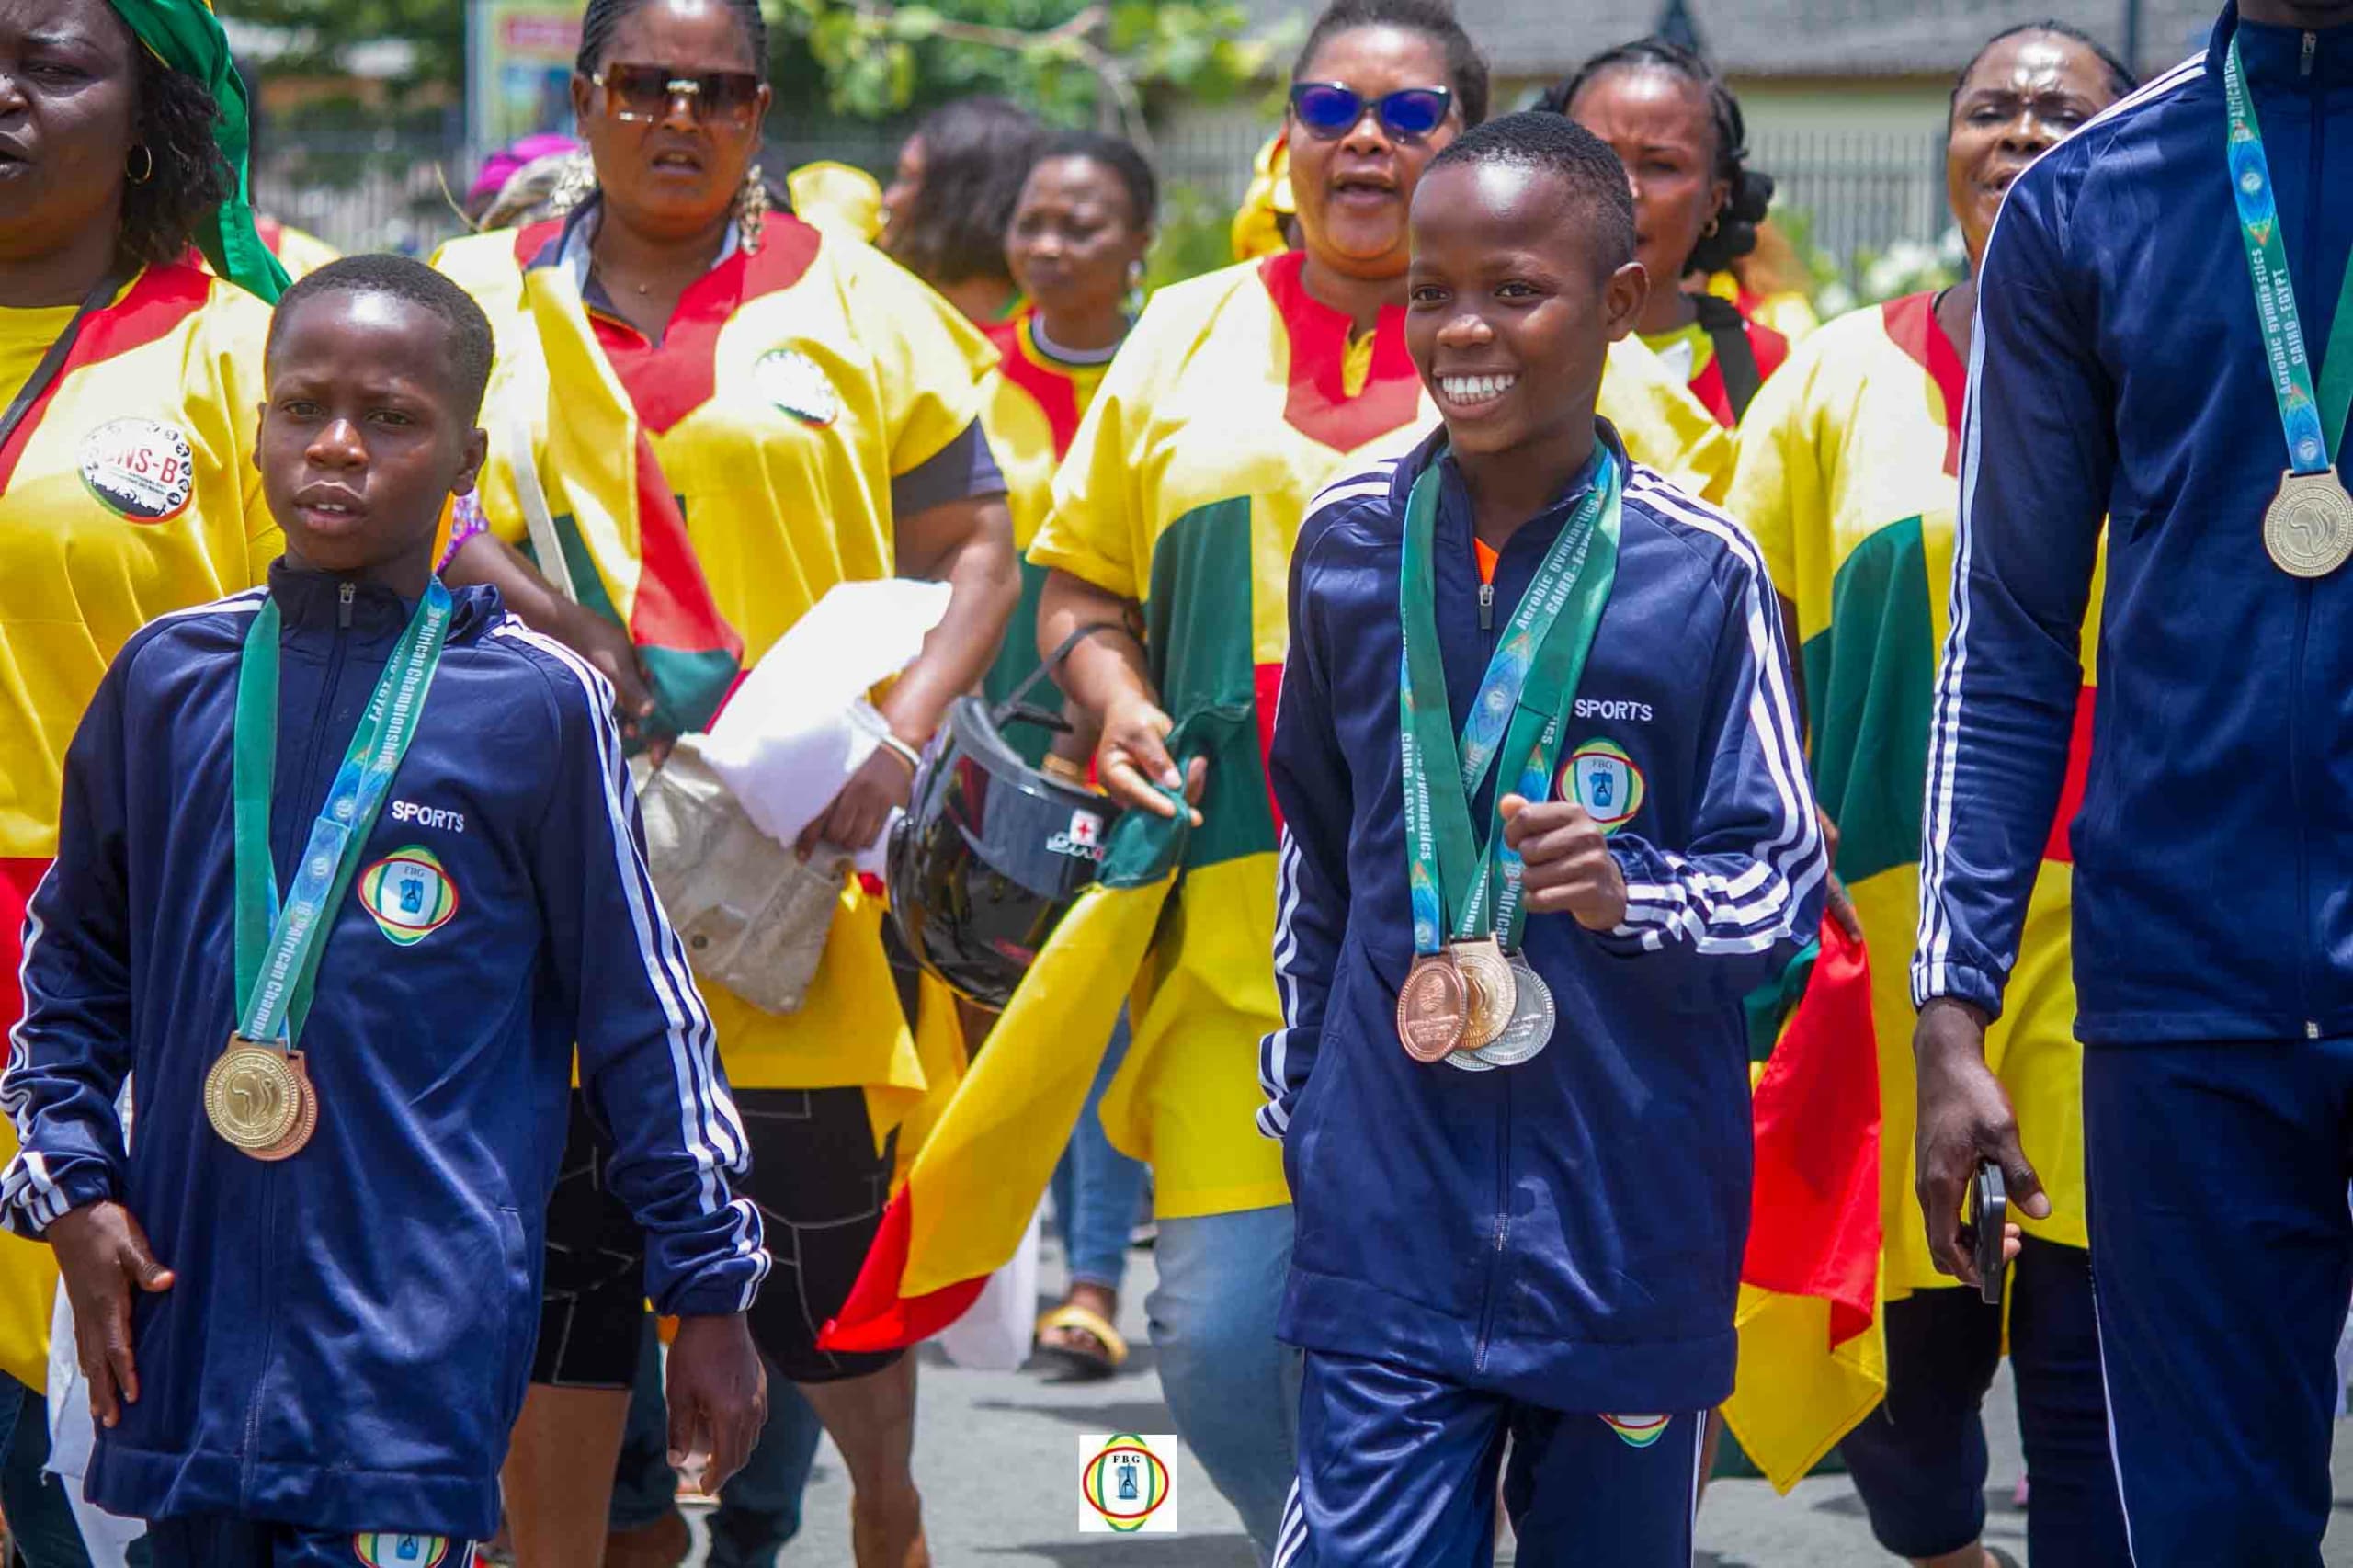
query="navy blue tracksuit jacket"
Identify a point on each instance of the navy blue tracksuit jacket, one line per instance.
(349, 1340)
(1567, 1231)
(2118, 370)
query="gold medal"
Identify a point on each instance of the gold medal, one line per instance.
(2308, 528)
(1492, 989)
(1433, 1008)
(259, 1099)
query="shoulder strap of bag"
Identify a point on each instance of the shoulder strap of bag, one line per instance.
(1727, 331)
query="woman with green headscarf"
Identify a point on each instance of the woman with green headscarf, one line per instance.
(129, 385)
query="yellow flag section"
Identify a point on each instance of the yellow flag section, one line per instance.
(128, 492)
(1848, 479)
(791, 387)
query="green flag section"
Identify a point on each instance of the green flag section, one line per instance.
(1198, 627)
(1869, 687)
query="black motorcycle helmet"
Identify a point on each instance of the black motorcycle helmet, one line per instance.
(990, 855)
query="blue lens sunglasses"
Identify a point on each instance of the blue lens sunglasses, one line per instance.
(1329, 109)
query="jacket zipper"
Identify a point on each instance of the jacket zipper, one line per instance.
(1500, 1228)
(2314, 184)
(345, 595)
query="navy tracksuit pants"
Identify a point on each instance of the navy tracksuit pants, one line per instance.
(2224, 1256)
(1395, 1467)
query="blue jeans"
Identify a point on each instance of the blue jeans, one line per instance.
(1233, 1388)
(759, 1508)
(1098, 1190)
(40, 1517)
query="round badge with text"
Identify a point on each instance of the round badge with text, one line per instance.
(139, 469)
(797, 384)
(1602, 778)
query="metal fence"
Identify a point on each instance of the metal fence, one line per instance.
(1856, 193)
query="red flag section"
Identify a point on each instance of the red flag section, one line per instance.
(876, 1318)
(1814, 1225)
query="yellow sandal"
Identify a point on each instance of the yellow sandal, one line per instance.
(1079, 1364)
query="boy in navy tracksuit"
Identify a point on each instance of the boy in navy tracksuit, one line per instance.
(1548, 1249)
(306, 1294)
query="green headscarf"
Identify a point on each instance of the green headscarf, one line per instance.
(187, 36)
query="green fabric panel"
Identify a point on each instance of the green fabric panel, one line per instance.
(1768, 1007)
(1870, 684)
(688, 687)
(1015, 659)
(1198, 628)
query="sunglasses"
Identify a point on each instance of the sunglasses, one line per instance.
(1328, 109)
(641, 95)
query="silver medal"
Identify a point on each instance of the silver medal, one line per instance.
(1533, 1018)
(1470, 1061)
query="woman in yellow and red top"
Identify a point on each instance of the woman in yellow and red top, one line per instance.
(714, 414)
(1678, 130)
(1237, 396)
(1849, 480)
(1080, 226)
(132, 382)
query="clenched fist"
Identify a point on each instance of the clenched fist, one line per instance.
(1565, 860)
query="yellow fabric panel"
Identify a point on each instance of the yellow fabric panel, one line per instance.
(1792, 1402)
(1703, 347)
(838, 198)
(943, 1054)
(301, 253)
(1186, 1097)
(1662, 425)
(76, 576)
(779, 511)
(1021, 435)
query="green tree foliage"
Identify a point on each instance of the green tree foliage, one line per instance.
(322, 30)
(1106, 62)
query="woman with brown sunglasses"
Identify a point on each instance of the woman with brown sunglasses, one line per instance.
(706, 414)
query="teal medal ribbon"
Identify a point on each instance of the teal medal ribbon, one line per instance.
(1461, 887)
(258, 1095)
(2308, 528)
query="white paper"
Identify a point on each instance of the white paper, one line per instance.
(995, 1332)
(800, 724)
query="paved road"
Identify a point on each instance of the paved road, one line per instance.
(997, 1459)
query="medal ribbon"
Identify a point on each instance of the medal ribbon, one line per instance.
(278, 948)
(1522, 697)
(2310, 423)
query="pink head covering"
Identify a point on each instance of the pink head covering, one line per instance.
(500, 166)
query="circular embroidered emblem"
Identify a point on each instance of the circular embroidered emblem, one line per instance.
(139, 469)
(1602, 778)
(1638, 1431)
(411, 897)
(797, 384)
(381, 1549)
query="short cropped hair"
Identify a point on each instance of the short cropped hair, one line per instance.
(1117, 154)
(403, 278)
(1466, 68)
(1597, 180)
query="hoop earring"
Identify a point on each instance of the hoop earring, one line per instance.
(752, 210)
(147, 169)
(1714, 224)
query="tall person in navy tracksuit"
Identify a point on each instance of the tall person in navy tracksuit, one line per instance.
(346, 865)
(1516, 1133)
(2163, 340)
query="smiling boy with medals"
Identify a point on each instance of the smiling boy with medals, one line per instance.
(1543, 834)
(305, 1295)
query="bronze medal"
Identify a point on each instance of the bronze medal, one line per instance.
(1433, 1008)
(2308, 528)
(258, 1098)
(1488, 974)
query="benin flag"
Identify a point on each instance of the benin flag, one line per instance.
(1812, 1363)
(969, 1196)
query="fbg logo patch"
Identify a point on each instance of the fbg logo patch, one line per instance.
(409, 894)
(1127, 1483)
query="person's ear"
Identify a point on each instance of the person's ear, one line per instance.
(476, 453)
(581, 87)
(1622, 297)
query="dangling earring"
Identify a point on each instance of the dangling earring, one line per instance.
(572, 186)
(146, 164)
(752, 210)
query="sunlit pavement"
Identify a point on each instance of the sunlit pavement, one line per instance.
(997, 1458)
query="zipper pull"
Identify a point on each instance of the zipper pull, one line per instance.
(2304, 63)
(343, 605)
(1486, 606)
